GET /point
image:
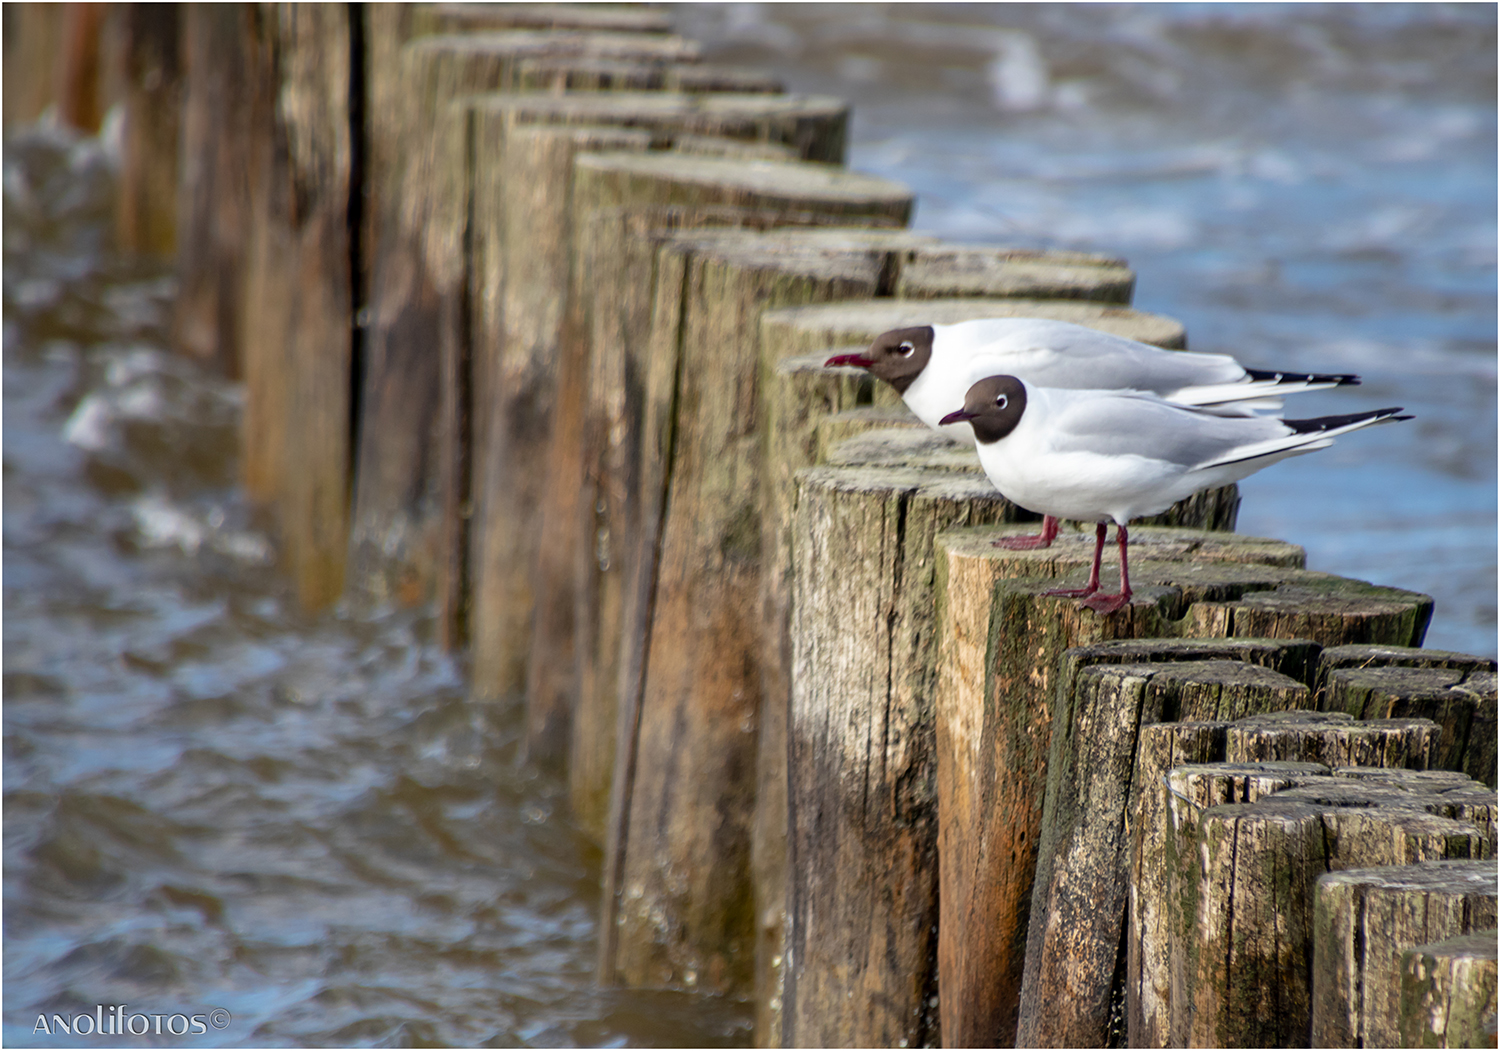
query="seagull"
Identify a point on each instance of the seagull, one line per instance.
(932, 366)
(1115, 455)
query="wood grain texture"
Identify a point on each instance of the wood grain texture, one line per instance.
(698, 699)
(1459, 697)
(1243, 916)
(1448, 993)
(1366, 919)
(1002, 640)
(1074, 948)
(862, 880)
(523, 254)
(298, 292)
(146, 216)
(213, 223)
(402, 527)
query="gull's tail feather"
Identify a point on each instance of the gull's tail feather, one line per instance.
(1260, 389)
(1305, 436)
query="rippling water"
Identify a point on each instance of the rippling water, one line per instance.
(211, 801)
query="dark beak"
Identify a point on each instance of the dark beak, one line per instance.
(848, 359)
(958, 416)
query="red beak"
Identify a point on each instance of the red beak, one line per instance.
(848, 359)
(957, 416)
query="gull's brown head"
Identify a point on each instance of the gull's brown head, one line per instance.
(992, 407)
(897, 356)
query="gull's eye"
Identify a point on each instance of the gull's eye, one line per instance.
(1001, 401)
(906, 349)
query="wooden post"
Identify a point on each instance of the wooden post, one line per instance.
(1163, 850)
(1365, 919)
(806, 408)
(1001, 643)
(1455, 690)
(221, 79)
(474, 18)
(1095, 781)
(1248, 976)
(685, 773)
(862, 892)
(523, 149)
(147, 217)
(616, 275)
(299, 292)
(34, 35)
(410, 449)
(1448, 993)
(1333, 739)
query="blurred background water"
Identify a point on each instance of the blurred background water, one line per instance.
(211, 800)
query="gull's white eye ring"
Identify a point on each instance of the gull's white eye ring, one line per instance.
(1001, 401)
(906, 349)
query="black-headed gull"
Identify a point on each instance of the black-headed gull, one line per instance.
(1111, 455)
(933, 366)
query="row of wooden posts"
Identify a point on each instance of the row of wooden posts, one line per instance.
(530, 305)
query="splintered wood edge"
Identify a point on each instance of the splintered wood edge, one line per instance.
(861, 320)
(790, 179)
(1461, 876)
(641, 106)
(1074, 549)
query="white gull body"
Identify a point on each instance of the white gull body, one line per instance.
(1061, 355)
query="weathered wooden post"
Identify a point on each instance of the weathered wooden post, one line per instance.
(1205, 759)
(684, 775)
(1001, 643)
(863, 877)
(34, 35)
(299, 290)
(1454, 690)
(1364, 919)
(408, 456)
(1097, 777)
(1241, 916)
(146, 220)
(522, 242)
(224, 81)
(1448, 993)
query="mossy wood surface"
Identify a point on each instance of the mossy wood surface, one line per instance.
(410, 453)
(1243, 918)
(522, 245)
(1001, 643)
(1093, 793)
(692, 795)
(1456, 692)
(1366, 919)
(1448, 993)
(862, 893)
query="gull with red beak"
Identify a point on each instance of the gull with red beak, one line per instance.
(1106, 455)
(933, 366)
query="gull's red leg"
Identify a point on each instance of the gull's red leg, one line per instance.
(1031, 543)
(1093, 584)
(1112, 603)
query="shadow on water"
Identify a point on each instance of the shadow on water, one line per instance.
(212, 801)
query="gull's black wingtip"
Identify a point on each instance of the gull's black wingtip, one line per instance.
(1338, 379)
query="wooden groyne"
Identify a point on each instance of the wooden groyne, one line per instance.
(531, 305)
